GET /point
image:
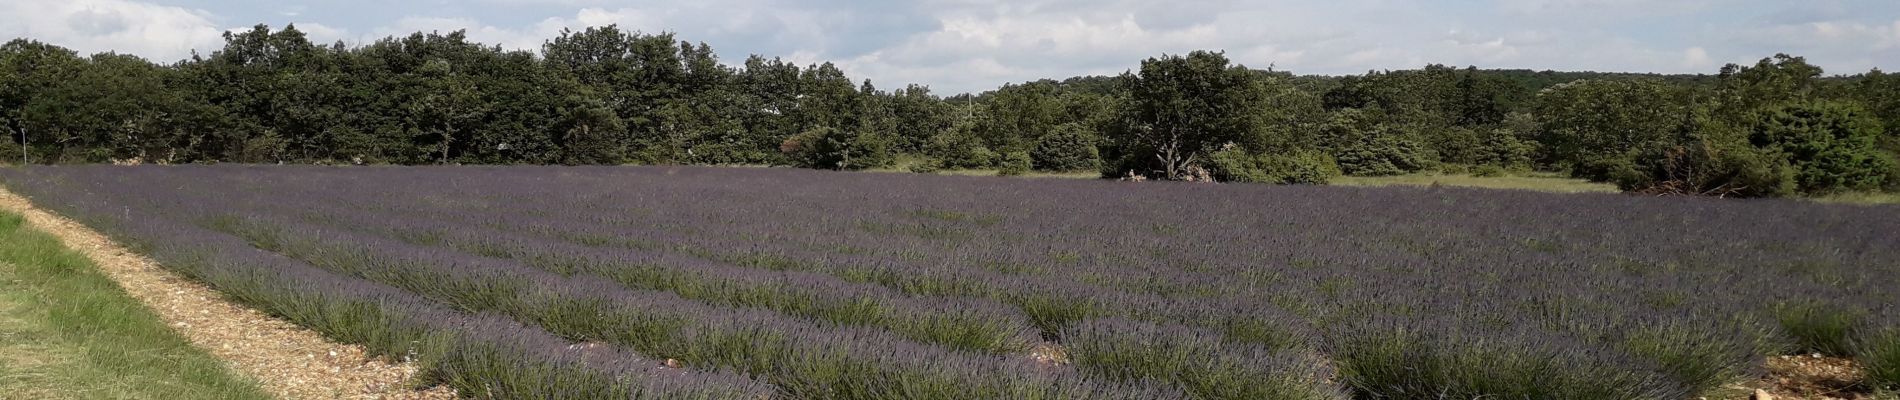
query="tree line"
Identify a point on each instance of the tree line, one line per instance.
(602, 95)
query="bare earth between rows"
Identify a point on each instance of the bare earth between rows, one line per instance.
(287, 361)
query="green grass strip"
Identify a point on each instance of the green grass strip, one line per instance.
(68, 332)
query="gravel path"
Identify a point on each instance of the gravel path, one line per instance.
(288, 361)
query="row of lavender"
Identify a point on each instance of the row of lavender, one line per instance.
(1216, 291)
(1792, 244)
(801, 358)
(1757, 278)
(479, 355)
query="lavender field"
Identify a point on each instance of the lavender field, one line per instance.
(658, 282)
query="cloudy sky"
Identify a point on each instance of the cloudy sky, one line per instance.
(963, 45)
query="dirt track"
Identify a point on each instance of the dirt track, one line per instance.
(288, 361)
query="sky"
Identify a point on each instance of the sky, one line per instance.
(957, 46)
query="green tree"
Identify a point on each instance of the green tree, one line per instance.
(589, 133)
(1071, 147)
(28, 70)
(118, 107)
(1771, 82)
(1362, 144)
(1706, 160)
(1880, 91)
(960, 148)
(825, 147)
(1183, 107)
(1832, 145)
(918, 116)
(1593, 127)
(643, 77)
(1383, 152)
(447, 111)
(1016, 117)
(769, 91)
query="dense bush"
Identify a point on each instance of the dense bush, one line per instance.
(1879, 354)
(1237, 164)
(1482, 146)
(1071, 147)
(1591, 127)
(1381, 154)
(1817, 327)
(830, 148)
(1457, 144)
(1504, 149)
(1202, 362)
(1705, 167)
(1832, 146)
(10, 153)
(927, 166)
(960, 150)
(1809, 148)
(1015, 163)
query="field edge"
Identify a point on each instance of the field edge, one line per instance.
(286, 360)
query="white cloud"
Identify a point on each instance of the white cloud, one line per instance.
(528, 38)
(969, 52)
(160, 33)
(1696, 58)
(722, 18)
(1604, 9)
(963, 45)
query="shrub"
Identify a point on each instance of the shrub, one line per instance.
(1504, 149)
(1487, 171)
(1817, 327)
(1071, 147)
(1015, 163)
(265, 148)
(1893, 174)
(1455, 144)
(1302, 168)
(1703, 167)
(1833, 146)
(1693, 354)
(927, 167)
(9, 152)
(1236, 164)
(1390, 359)
(1844, 169)
(958, 149)
(1879, 355)
(1198, 361)
(830, 148)
(1380, 155)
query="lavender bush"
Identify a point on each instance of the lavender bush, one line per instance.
(570, 281)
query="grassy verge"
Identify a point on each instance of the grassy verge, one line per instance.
(1861, 198)
(68, 332)
(1534, 181)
